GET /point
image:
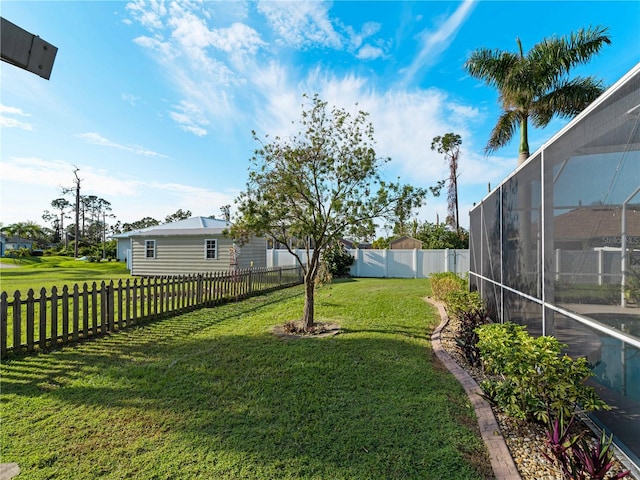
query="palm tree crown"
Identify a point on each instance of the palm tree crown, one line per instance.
(537, 86)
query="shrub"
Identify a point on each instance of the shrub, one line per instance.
(577, 458)
(337, 260)
(444, 283)
(467, 337)
(632, 286)
(458, 302)
(536, 382)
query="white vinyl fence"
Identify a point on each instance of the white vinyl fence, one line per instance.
(390, 263)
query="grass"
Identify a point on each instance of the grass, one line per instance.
(37, 272)
(213, 394)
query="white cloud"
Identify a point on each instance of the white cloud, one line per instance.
(30, 184)
(436, 42)
(238, 37)
(166, 52)
(97, 139)
(130, 99)
(368, 52)
(190, 118)
(148, 13)
(301, 24)
(9, 122)
(356, 39)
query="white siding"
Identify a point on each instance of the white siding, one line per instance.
(179, 255)
(253, 253)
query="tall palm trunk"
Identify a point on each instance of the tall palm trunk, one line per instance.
(524, 141)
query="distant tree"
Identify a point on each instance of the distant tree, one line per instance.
(61, 205)
(178, 215)
(440, 235)
(381, 243)
(449, 146)
(54, 220)
(226, 213)
(319, 185)
(536, 85)
(77, 205)
(140, 224)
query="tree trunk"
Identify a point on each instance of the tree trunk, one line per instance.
(524, 142)
(307, 315)
(309, 288)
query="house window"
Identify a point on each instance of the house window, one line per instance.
(150, 248)
(210, 248)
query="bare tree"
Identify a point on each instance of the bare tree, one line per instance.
(449, 146)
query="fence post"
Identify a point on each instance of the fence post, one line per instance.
(65, 314)
(43, 318)
(17, 321)
(110, 303)
(3, 324)
(446, 259)
(30, 320)
(54, 316)
(85, 310)
(76, 313)
(385, 254)
(104, 321)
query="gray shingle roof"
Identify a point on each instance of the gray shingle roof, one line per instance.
(189, 226)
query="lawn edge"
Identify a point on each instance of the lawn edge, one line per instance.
(504, 468)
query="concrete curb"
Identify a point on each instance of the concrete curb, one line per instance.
(502, 462)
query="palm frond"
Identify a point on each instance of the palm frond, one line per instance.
(503, 131)
(492, 66)
(555, 56)
(567, 100)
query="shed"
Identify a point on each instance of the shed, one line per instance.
(194, 245)
(405, 243)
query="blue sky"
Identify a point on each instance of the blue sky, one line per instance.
(155, 102)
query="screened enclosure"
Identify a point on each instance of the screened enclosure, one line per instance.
(556, 247)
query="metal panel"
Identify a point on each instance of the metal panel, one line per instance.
(25, 50)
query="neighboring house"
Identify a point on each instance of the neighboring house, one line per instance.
(352, 245)
(123, 245)
(16, 243)
(194, 245)
(3, 239)
(596, 226)
(405, 243)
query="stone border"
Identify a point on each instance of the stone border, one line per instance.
(504, 468)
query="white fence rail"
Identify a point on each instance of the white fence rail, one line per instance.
(390, 263)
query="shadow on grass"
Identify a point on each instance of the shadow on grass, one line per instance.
(198, 397)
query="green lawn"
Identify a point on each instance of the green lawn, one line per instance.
(214, 395)
(37, 272)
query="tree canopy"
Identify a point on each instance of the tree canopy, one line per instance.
(537, 86)
(319, 185)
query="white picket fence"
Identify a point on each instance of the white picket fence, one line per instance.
(390, 263)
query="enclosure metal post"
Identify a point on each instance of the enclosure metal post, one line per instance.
(623, 247)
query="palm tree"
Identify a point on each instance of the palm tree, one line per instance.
(536, 85)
